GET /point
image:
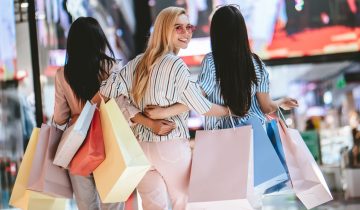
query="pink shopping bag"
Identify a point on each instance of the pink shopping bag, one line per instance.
(222, 170)
(308, 181)
(45, 177)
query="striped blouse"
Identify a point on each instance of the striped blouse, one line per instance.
(207, 81)
(169, 84)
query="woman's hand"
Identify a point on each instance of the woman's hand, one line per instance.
(73, 119)
(155, 112)
(288, 103)
(162, 127)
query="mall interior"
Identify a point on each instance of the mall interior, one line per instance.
(311, 50)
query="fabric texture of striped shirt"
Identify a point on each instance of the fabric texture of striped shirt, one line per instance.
(169, 83)
(208, 82)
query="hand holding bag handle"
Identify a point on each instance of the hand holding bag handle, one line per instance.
(97, 99)
(231, 120)
(279, 114)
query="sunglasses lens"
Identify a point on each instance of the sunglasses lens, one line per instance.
(179, 29)
(190, 28)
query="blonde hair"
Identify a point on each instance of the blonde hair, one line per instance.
(160, 43)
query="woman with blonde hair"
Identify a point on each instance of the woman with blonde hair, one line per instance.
(160, 77)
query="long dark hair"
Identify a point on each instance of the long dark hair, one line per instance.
(87, 63)
(232, 58)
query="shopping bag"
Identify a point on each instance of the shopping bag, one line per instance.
(92, 153)
(26, 199)
(74, 136)
(125, 163)
(308, 182)
(268, 169)
(222, 170)
(38, 201)
(274, 136)
(46, 177)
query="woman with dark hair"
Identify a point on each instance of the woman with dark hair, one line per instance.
(233, 75)
(86, 65)
(88, 62)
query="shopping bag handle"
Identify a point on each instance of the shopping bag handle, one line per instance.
(281, 116)
(231, 118)
(95, 99)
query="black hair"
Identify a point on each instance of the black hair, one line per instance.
(233, 58)
(87, 63)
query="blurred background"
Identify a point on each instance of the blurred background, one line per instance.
(311, 48)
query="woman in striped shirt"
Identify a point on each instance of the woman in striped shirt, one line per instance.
(232, 75)
(160, 77)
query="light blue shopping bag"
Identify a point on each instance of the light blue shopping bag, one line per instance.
(268, 168)
(274, 136)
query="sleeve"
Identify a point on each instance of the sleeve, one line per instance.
(127, 108)
(117, 83)
(262, 75)
(207, 77)
(190, 93)
(62, 110)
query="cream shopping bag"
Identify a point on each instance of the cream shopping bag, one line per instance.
(125, 163)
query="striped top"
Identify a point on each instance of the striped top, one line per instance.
(169, 83)
(207, 81)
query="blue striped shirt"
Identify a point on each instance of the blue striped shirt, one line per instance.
(207, 81)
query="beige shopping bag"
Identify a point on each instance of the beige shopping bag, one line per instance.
(222, 171)
(26, 199)
(125, 163)
(308, 182)
(74, 136)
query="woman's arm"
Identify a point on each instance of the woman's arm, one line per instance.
(134, 116)
(159, 127)
(61, 108)
(267, 105)
(217, 111)
(157, 112)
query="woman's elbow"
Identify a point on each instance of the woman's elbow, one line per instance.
(267, 109)
(59, 120)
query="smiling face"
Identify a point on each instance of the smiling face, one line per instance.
(182, 33)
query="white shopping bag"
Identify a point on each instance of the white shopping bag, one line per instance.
(74, 136)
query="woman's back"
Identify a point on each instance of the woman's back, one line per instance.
(208, 82)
